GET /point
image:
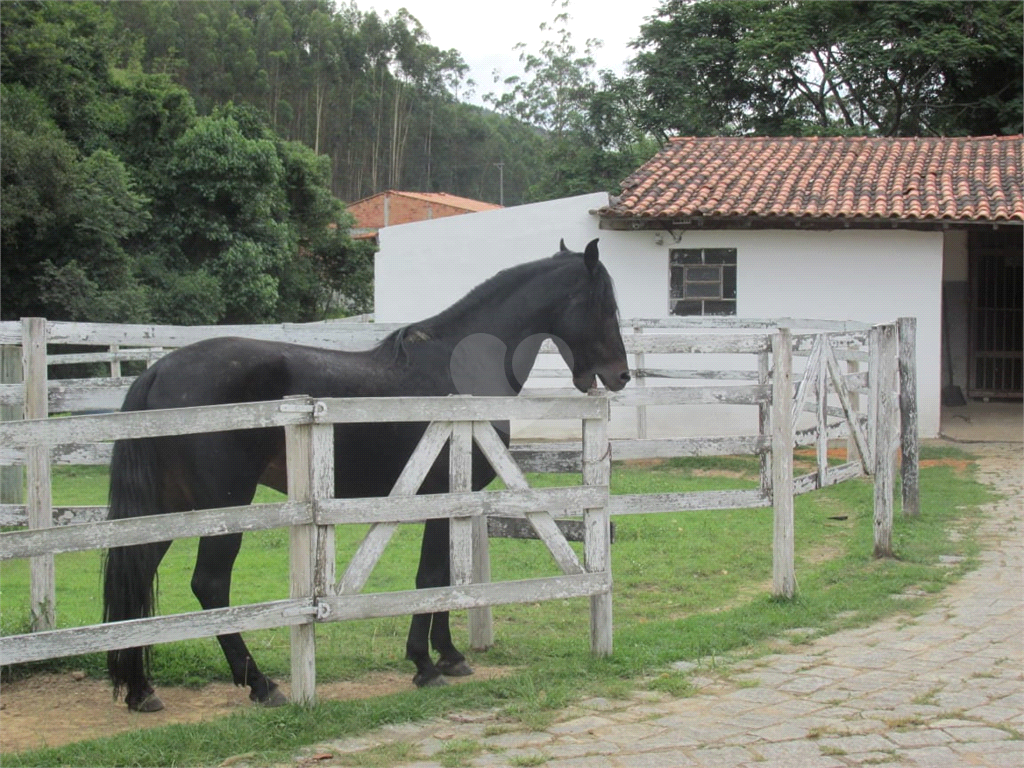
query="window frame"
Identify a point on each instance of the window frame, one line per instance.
(696, 268)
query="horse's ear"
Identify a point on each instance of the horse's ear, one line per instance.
(561, 245)
(590, 255)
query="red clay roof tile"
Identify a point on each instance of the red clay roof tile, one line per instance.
(974, 178)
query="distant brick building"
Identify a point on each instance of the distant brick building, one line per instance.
(394, 207)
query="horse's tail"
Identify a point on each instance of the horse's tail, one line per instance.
(129, 583)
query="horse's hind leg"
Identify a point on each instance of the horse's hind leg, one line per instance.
(211, 584)
(128, 594)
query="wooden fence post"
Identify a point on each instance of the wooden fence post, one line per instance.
(322, 487)
(883, 394)
(597, 467)
(481, 620)
(907, 329)
(822, 412)
(853, 366)
(783, 569)
(872, 404)
(38, 499)
(640, 363)
(301, 451)
(460, 479)
(764, 423)
(470, 551)
(12, 478)
(115, 363)
(39, 502)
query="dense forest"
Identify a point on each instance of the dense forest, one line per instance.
(370, 93)
(189, 161)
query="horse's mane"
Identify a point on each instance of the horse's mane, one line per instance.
(600, 294)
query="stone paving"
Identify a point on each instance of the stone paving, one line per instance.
(942, 689)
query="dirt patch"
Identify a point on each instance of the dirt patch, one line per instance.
(821, 554)
(959, 466)
(744, 595)
(734, 474)
(807, 457)
(50, 710)
(701, 472)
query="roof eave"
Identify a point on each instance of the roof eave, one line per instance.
(612, 221)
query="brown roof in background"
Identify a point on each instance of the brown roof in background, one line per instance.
(397, 207)
(968, 179)
(465, 203)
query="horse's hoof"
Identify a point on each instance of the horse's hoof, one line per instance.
(273, 699)
(423, 681)
(455, 668)
(151, 703)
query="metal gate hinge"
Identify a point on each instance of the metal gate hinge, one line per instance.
(319, 612)
(315, 409)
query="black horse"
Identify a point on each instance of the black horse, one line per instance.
(485, 344)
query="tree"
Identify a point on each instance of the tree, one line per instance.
(558, 82)
(789, 67)
(71, 203)
(369, 91)
(357, 86)
(64, 221)
(122, 204)
(247, 228)
(591, 141)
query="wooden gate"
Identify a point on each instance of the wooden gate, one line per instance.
(311, 514)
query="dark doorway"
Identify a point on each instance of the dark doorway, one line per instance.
(996, 314)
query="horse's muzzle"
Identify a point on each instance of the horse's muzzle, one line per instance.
(613, 381)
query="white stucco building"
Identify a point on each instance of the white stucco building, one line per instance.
(865, 230)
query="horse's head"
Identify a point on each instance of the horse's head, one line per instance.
(586, 328)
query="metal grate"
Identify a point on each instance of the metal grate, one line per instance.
(996, 315)
(702, 281)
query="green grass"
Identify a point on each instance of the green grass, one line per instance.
(688, 586)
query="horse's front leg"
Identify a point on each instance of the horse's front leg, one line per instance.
(211, 584)
(434, 571)
(417, 650)
(450, 661)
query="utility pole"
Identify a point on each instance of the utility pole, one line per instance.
(501, 183)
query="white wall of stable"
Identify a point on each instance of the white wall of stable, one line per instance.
(869, 276)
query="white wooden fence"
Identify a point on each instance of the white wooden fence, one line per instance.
(873, 408)
(311, 514)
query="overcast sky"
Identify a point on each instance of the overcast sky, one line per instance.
(485, 33)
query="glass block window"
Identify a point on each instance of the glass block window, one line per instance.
(702, 281)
